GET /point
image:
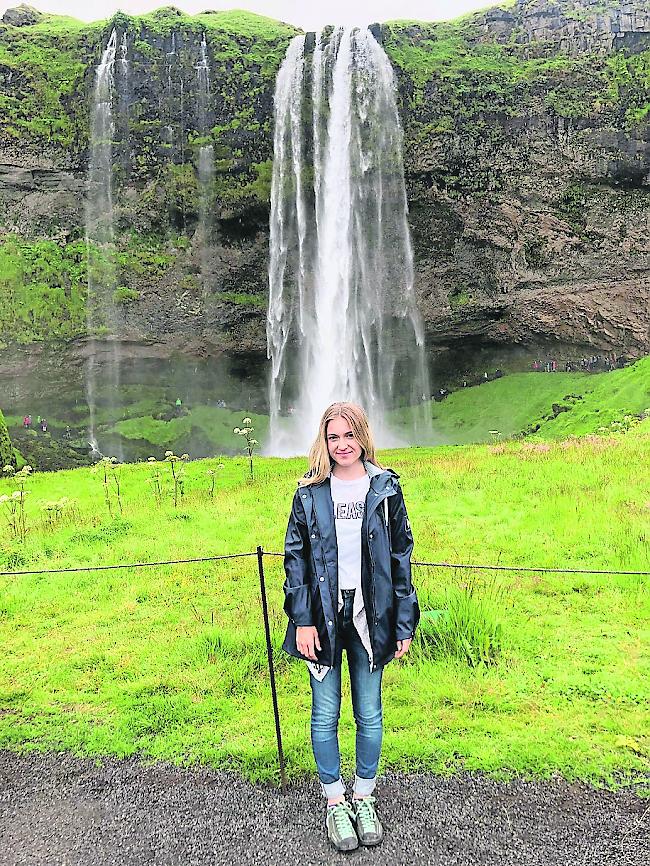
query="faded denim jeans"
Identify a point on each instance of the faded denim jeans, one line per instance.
(366, 705)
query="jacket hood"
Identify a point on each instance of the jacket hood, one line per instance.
(379, 477)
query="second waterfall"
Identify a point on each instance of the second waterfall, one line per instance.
(342, 322)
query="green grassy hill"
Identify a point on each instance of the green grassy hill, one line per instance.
(523, 401)
(169, 661)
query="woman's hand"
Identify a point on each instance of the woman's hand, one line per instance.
(307, 641)
(403, 647)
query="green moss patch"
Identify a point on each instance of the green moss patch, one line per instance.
(42, 289)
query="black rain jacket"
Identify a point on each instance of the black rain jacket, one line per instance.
(311, 568)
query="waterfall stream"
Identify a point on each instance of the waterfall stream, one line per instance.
(205, 166)
(343, 321)
(102, 374)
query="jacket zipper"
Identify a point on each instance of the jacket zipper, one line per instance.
(329, 587)
(372, 567)
(374, 602)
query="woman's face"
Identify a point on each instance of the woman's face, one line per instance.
(342, 446)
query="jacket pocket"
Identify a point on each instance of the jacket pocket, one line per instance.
(297, 604)
(407, 615)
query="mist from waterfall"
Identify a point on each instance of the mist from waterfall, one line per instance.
(101, 311)
(342, 322)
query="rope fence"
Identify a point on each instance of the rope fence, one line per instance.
(455, 565)
(129, 564)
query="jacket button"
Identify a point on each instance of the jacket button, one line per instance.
(313, 535)
(304, 495)
(329, 622)
(322, 579)
(370, 536)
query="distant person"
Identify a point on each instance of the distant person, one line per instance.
(68, 432)
(25, 422)
(179, 405)
(348, 587)
(43, 425)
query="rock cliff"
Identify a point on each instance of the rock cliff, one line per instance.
(527, 154)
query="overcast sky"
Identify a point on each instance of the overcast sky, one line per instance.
(307, 14)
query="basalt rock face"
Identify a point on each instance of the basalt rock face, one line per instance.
(527, 155)
(528, 160)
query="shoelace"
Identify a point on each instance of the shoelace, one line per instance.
(342, 817)
(366, 814)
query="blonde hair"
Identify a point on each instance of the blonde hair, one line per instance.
(320, 462)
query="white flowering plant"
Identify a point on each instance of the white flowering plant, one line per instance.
(109, 470)
(246, 431)
(14, 503)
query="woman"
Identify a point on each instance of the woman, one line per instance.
(348, 587)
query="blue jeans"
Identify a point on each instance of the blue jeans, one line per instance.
(366, 704)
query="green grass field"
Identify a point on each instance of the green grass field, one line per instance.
(520, 401)
(169, 662)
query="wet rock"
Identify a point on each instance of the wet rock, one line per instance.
(21, 16)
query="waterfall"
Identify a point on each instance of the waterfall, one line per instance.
(343, 322)
(286, 205)
(103, 360)
(124, 95)
(205, 165)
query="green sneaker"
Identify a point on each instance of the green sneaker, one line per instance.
(340, 827)
(369, 829)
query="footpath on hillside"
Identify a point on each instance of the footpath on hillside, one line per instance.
(56, 809)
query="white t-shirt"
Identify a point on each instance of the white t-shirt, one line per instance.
(349, 498)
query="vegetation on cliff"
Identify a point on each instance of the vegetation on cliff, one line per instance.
(467, 92)
(47, 68)
(42, 289)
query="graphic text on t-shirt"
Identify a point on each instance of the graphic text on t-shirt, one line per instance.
(349, 510)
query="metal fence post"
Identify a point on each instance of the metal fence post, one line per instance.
(269, 652)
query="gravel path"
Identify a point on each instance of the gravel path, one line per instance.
(56, 810)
